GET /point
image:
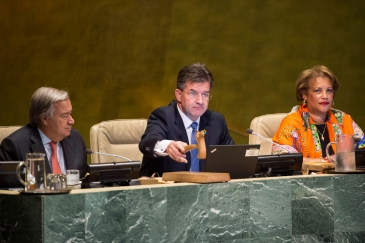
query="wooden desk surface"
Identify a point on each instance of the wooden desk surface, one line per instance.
(319, 166)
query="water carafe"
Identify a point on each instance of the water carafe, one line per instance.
(35, 175)
(345, 154)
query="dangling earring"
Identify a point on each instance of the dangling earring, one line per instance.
(304, 102)
(333, 102)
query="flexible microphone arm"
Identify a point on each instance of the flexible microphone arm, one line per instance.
(250, 131)
(89, 151)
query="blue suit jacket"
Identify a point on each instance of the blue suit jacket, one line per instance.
(166, 123)
(27, 140)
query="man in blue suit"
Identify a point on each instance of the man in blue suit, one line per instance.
(50, 132)
(170, 128)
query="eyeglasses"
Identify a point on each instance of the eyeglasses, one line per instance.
(193, 95)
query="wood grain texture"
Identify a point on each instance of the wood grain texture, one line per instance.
(195, 177)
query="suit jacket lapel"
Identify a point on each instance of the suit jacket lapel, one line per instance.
(204, 125)
(67, 145)
(181, 131)
(38, 147)
(180, 128)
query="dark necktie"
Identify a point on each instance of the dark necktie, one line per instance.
(56, 169)
(194, 152)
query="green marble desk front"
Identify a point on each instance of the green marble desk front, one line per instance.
(316, 208)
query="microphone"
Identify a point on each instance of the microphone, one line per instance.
(89, 151)
(250, 131)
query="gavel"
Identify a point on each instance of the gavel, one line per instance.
(200, 146)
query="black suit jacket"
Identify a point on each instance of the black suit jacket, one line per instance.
(166, 123)
(27, 140)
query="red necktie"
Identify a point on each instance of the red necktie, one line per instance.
(56, 169)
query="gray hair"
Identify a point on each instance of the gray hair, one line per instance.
(41, 103)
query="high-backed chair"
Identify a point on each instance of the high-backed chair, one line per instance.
(6, 131)
(120, 137)
(266, 126)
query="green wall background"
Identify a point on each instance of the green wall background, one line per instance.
(120, 58)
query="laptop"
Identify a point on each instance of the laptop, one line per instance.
(237, 160)
(8, 177)
(360, 158)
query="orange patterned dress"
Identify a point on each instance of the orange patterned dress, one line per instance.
(298, 133)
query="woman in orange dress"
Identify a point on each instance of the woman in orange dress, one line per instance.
(309, 127)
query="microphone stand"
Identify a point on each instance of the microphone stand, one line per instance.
(89, 151)
(250, 131)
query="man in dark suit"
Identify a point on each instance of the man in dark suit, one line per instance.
(172, 127)
(50, 132)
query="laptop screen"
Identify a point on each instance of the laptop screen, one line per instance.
(237, 160)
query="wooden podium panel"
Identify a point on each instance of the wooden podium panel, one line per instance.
(196, 177)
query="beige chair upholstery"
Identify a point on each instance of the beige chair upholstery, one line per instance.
(266, 126)
(6, 131)
(120, 137)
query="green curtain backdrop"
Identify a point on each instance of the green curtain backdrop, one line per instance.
(120, 58)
